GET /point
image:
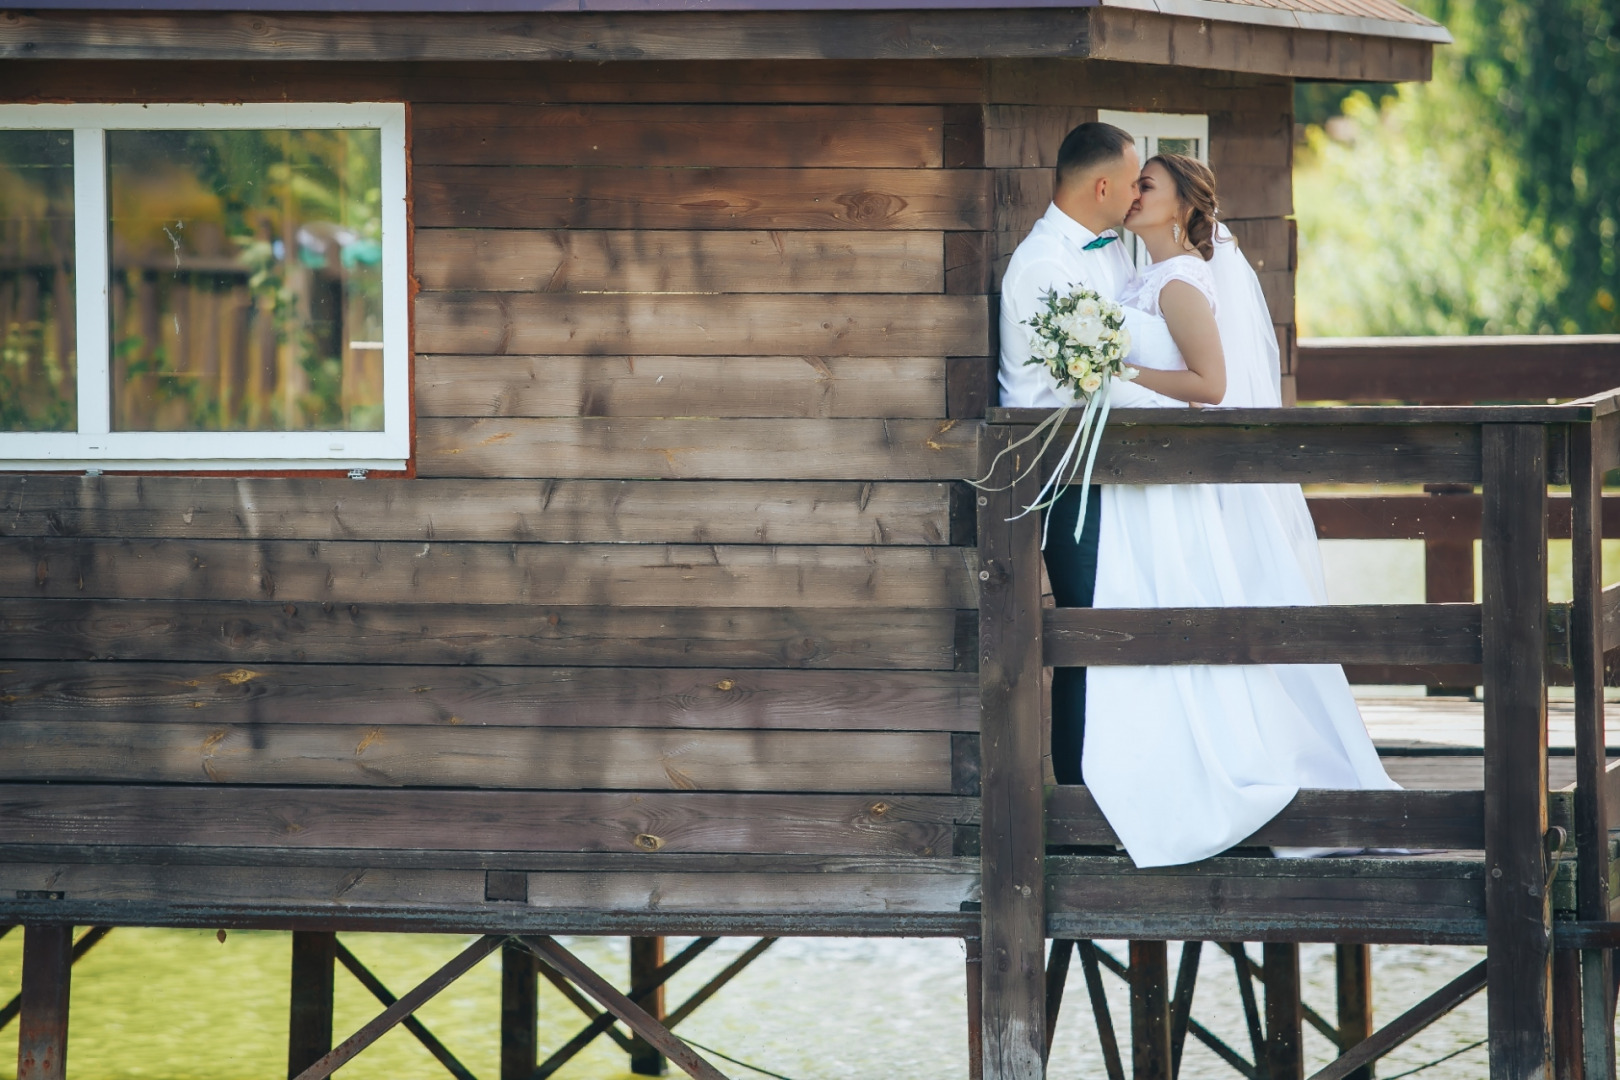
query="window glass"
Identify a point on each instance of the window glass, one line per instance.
(245, 283)
(1185, 147)
(38, 361)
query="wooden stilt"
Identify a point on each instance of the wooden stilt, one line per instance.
(520, 1012)
(1057, 977)
(1285, 1051)
(1517, 908)
(1592, 812)
(646, 957)
(975, 1013)
(1568, 1059)
(1150, 1011)
(1181, 1003)
(1089, 963)
(1353, 970)
(1012, 843)
(42, 1029)
(309, 1025)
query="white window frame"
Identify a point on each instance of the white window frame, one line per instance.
(1147, 129)
(94, 445)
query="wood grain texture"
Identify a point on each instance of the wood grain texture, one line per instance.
(1336, 819)
(44, 692)
(524, 82)
(1457, 370)
(538, 197)
(679, 449)
(1514, 595)
(247, 632)
(700, 893)
(574, 511)
(449, 820)
(1367, 634)
(569, 575)
(1268, 243)
(1098, 896)
(584, 261)
(560, 759)
(506, 324)
(714, 386)
(690, 136)
(572, 35)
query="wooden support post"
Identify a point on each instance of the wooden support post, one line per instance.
(1568, 1060)
(1448, 573)
(1150, 1011)
(309, 1025)
(1517, 909)
(1181, 1003)
(1013, 823)
(975, 1012)
(646, 957)
(520, 1012)
(1285, 1048)
(1353, 971)
(1592, 813)
(1057, 980)
(42, 1028)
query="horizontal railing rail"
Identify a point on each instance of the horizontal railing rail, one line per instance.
(1456, 370)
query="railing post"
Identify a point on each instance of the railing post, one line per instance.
(1517, 909)
(1586, 466)
(1012, 825)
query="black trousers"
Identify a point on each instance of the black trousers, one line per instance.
(1072, 568)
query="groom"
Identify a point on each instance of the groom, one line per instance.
(1075, 243)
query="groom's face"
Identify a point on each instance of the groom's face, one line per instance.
(1118, 190)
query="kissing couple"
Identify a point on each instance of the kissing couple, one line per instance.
(1186, 761)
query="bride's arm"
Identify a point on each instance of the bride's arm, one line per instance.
(1192, 325)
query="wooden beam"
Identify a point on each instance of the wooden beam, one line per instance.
(1012, 846)
(1181, 1001)
(1244, 969)
(47, 974)
(1568, 1039)
(1352, 968)
(634, 1017)
(1285, 1048)
(1057, 977)
(309, 1027)
(1408, 1024)
(723, 976)
(1518, 908)
(520, 1012)
(646, 958)
(1090, 963)
(1457, 370)
(410, 1023)
(394, 1014)
(1361, 819)
(1151, 1057)
(974, 965)
(1451, 518)
(1367, 634)
(9, 1011)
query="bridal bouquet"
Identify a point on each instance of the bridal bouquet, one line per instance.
(1082, 341)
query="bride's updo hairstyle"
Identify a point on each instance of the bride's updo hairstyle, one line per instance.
(1195, 185)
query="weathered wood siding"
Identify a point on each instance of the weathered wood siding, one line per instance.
(685, 580)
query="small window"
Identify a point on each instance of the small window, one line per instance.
(1161, 133)
(203, 286)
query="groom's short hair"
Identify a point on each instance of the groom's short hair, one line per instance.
(1090, 145)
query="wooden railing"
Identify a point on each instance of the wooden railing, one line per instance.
(1513, 454)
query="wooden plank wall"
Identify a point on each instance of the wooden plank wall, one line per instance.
(684, 582)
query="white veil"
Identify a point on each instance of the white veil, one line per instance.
(1253, 370)
(1272, 519)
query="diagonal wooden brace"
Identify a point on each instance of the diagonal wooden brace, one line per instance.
(633, 1015)
(603, 1022)
(390, 1017)
(1408, 1024)
(412, 1024)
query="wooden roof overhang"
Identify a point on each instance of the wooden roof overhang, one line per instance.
(1341, 40)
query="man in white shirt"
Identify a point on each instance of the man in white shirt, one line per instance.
(1075, 243)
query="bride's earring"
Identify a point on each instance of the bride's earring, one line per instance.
(1175, 232)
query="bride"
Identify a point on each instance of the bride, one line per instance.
(1188, 761)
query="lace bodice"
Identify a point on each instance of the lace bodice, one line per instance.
(1143, 292)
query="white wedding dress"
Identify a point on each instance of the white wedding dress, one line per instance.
(1188, 761)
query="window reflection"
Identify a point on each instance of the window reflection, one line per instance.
(38, 361)
(246, 280)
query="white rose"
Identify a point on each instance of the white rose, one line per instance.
(1089, 332)
(1089, 309)
(1049, 349)
(1129, 374)
(1091, 383)
(1078, 368)
(1123, 339)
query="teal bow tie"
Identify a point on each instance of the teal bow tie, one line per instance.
(1100, 242)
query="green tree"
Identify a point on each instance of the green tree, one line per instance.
(1552, 70)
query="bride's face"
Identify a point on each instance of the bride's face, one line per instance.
(1157, 204)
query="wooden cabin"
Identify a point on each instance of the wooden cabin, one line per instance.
(498, 467)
